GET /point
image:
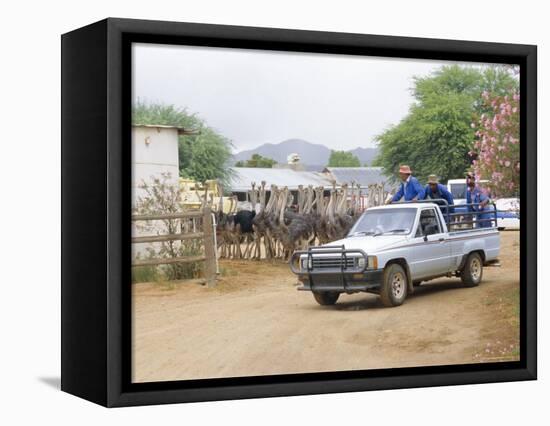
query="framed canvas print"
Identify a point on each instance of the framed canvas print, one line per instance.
(253, 212)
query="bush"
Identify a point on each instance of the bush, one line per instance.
(162, 197)
(145, 274)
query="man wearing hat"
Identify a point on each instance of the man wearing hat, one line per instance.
(410, 189)
(474, 195)
(434, 190)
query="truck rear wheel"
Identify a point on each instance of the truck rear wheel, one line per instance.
(473, 270)
(393, 291)
(326, 297)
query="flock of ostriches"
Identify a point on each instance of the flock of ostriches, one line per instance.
(277, 223)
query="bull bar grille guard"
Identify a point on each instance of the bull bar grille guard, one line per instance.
(296, 267)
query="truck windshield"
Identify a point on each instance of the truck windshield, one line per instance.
(384, 221)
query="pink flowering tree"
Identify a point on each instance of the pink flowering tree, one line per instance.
(496, 147)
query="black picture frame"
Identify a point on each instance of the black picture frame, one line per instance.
(95, 291)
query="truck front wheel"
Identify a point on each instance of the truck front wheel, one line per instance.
(394, 285)
(326, 297)
(473, 270)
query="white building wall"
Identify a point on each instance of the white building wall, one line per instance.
(154, 151)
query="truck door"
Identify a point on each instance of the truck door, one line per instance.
(430, 251)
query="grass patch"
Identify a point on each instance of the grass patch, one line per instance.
(511, 303)
(145, 274)
(503, 344)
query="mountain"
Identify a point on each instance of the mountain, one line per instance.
(365, 155)
(309, 153)
(314, 155)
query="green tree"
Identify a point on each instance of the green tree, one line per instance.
(202, 156)
(257, 161)
(343, 159)
(436, 136)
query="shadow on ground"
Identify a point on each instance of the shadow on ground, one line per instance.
(372, 302)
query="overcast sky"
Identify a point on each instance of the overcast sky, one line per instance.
(253, 96)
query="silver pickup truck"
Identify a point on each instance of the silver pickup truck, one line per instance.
(391, 249)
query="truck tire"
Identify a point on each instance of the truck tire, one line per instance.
(393, 291)
(326, 297)
(473, 270)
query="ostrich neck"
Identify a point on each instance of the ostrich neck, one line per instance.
(321, 204)
(282, 208)
(344, 201)
(330, 210)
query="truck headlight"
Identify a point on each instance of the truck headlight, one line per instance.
(305, 262)
(371, 262)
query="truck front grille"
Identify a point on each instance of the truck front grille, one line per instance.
(332, 262)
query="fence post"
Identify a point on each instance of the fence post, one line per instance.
(209, 249)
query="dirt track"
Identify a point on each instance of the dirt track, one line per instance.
(255, 323)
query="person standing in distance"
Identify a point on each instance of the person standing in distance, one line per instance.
(474, 195)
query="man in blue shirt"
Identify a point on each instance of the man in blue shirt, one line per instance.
(474, 195)
(434, 190)
(410, 189)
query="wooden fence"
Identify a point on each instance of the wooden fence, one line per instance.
(206, 235)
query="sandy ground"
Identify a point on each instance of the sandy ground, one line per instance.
(255, 322)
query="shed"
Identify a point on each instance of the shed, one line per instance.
(242, 178)
(154, 151)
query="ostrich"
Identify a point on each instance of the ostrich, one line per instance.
(244, 222)
(321, 223)
(226, 227)
(345, 221)
(339, 222)
(285, 237)
(267, 222)
(376, 195)
(275, 229)
(331, 225)
(355, 207)
(302, 228)
(258, 223)
(276, 226)
(243, 228)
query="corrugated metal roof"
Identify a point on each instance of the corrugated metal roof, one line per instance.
(244, 176)
(364, 176)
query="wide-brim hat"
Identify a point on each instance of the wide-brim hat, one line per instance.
(432, 179)
(405, 169)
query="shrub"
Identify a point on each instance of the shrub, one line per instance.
(162, 197)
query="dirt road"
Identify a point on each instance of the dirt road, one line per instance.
(255, 323)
